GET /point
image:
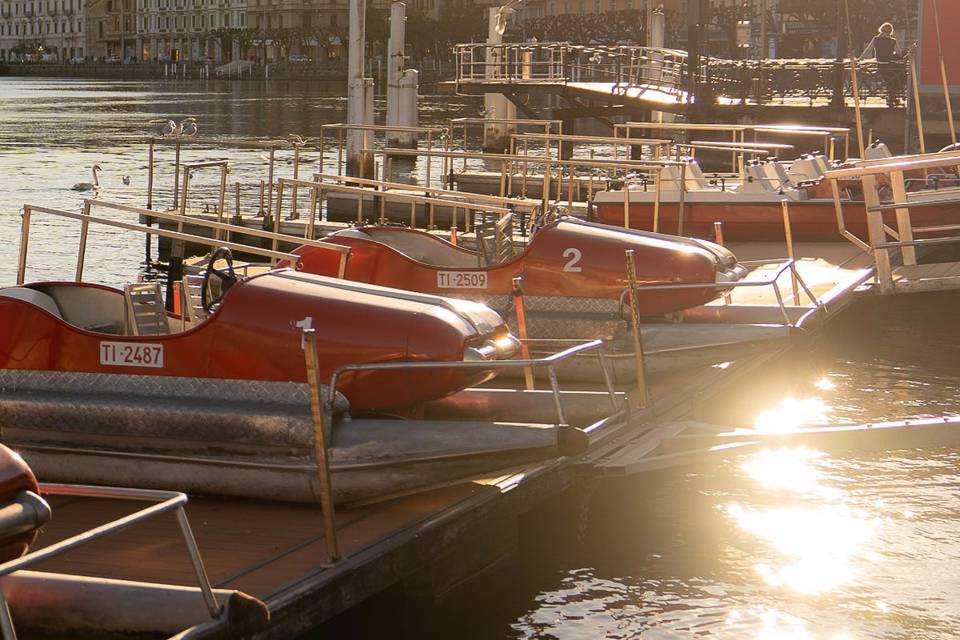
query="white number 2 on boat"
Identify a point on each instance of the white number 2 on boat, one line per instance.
(131, 354)
(573, 263)
(461, 279)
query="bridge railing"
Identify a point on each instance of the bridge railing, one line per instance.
(627, 68)
(561, 62)
(811, 80)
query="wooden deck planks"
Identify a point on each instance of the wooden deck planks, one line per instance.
(248, 545)
(927, 277)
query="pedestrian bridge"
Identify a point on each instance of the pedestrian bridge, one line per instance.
(660, 79)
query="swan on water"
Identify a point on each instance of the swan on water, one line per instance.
(90, 186)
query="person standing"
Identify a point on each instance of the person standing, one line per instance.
(889, 62)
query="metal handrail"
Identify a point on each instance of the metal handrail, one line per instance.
(86, 219)
(167, 501)
(432, 191)
(343, 250)
(547, 362)
(788, 265)
(321, 187)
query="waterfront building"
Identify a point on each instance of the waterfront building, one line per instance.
(190, 30)
(54, 30)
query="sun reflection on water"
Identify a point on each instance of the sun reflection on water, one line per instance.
(816, 538)
(791, 414)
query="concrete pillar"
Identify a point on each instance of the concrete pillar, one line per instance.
(402, 84)
(359, 94)
(496, 135)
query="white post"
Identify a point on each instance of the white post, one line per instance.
(656, 38)
(496, 135)
(359, 94)
(402, 84)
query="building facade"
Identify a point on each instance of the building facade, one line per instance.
(190, 30)
(42, 29)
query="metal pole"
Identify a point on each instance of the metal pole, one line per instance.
(320, 443)
(637, 340)
(294, 214)
(148, 240)
(788, 235)
(854, 81)
(273, 151)
(24, 244)
(176, 174)
(82, 251)
(522, 330)
(208, 596)
(7, 630)
(915, 85)
(943, 74)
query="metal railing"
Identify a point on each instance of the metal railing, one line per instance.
(320, 190)
(627, 68)
(548, 362)
(562, 62)
(787, 265)
(894, 169)
(167, 501)
(85, 219)
(219, 227)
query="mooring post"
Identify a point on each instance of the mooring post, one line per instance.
(359, 95)
(522, 330)
(402, 83)
(498, 110)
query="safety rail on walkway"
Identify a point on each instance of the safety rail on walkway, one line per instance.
(548, 362)
(224, 231)
(630, 70)
(894, 170)
(738, 133)
(513, 166)
(85, 219)
(562, 62)
(320, 190)
(166, 501)
(788, 265)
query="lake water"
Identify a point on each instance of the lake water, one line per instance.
(789, 544)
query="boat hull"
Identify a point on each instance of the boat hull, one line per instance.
(251, 440)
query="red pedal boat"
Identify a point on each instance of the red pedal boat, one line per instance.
(566, 258)
(255, 334)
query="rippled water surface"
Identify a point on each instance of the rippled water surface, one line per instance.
(791, 544)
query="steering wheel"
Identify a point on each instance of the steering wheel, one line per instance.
(226, 278)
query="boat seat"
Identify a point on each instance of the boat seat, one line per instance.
(423, 248)
(756, 180)
(145, 312)
(34, 297)
(877, 151)
(354, 233)
(695, 179)
(191, 300)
